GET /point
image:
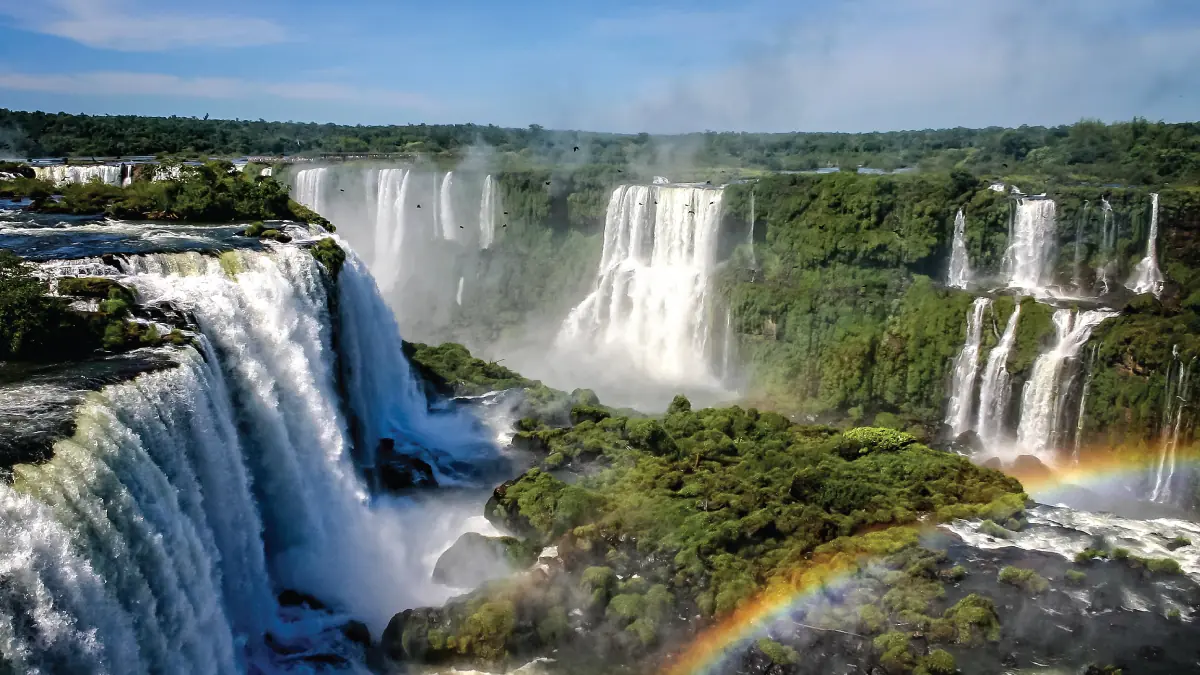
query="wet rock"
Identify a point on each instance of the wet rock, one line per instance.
(357, 632)
(293, 598)
(994, 463)
(398, 471)
(475, 559)
(968, 442)
(1028, 467)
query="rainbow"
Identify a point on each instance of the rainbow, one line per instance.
(803, 587)
(1102, 472)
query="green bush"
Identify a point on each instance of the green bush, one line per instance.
(1075, 578)
(1026, 579)
(779, 654)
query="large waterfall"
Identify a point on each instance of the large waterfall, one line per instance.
(966, 369)
(156, 538)
(1030, 255)
(960, 268)
(1042, 402)
(446, 217)
(487, 213)
(650, 303)
(65, 174)
(995, 387)
(1147, 278)
(310, 188)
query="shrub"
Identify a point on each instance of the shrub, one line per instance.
(1026, 579)
(779, 654)
(937, 662)
(991, 529)
(1075, 577)
(328, 253)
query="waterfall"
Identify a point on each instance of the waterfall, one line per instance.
(995, 387)
(458, 294)
(391, 201)
(966, 368)
(1080, 230)
(727, 347)
(960, 268)
(1108, 244)
(66, 174)
(1176, 399)
(1083, 396)
(156, 537)
(309, 188)
(1046, 390)
(750, 236)
(1030, 255)
(487, 214)
(446, 208)
(1147, 278)
(651, 296)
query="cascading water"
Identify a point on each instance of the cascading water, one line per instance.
(1030, 251)
(1083, 397)
(960, 268)
(1147, 278)
(446, 208)
(155, 539)
(1176, 400)
(458, 294)
(66, 174)
(727, 348)
(1080, 230)
(391, 202)
(487, 213)
(310, 188)
(651, 299)
(750, 236)
(995, 387)
(966, 369)
(1108, 244)
(1042, 402)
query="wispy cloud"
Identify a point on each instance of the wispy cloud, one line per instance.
(138, 26)
(115, 83)
(880, 64)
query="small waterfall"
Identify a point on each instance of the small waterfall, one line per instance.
(1147, 278)
(310, 188)
(651, 295)
(966, 369)
(445, 213)
(750, 236)
(1083, 396)
(1030, 255)
(1046, 390)
(727, 348)
(458, 294)
(1080, 231)
(1108, 245)
(960, 268)
(487, 213)
(995, 387)
(67, 174)
(1176, 400)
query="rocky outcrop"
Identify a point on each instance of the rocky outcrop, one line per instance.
(399, 471)
(475, 559)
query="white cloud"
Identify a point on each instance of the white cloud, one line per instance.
(115, 83)
(125, 25)
(882, 64)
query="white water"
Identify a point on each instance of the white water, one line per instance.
(310, 188)
(1177, 400)
(1045, 392)
(156, 538)
(458, 294)
(995, 387)
(1083, 397)
(727, 348)
(650, 304)
(1108, 243)
(66, 174)
(391, 200)
(446, 208)
(1147, 278)
(487, 214)
(960, 267)
(966, 370)
(750, 236)
(1030, 255)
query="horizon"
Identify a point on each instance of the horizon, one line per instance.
(763, 67)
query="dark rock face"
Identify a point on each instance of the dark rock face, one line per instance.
(504, 515)
(398, 471)
(293, 598)
(1030, 467)
(475, 559)
(968, 442)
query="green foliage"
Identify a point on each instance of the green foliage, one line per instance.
(488, 629)
(1075, 578)
(991, 529)
(972, 621)
(1089, 554)
(779, 654)
(329, 254)
(936, 662)
(1025, 579)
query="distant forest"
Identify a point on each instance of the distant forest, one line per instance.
(1135, 152)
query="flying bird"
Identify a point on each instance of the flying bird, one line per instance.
(576, 149)
(547, 182)
(418, 206)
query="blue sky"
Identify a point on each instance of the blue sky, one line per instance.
(619, 65)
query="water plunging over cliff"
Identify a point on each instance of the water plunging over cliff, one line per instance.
(1030, 255)
(310, 188)
(66, 174)
(966, 369)
(995, 387)
(1147, 278)
(1177, 400)
(156, 538)
(487, 213)
(1043, 400)
(445, 212)
(960, 268)
(650, 304)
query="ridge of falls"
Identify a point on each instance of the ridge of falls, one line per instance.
(156, 537)
(1044, 397)
(966, 370)
(1147, 277)
(487, 213)
(391, 200)
(1177, 399)
(995, 386)
(1029, 259)
(66, 174)
(960, 268)
(650, 302)
(310, 188)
